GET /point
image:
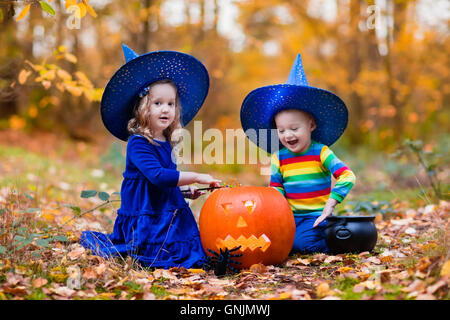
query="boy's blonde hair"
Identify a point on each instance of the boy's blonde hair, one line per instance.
(140, 123)
(307, 114)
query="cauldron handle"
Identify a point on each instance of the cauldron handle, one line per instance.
(341, 227)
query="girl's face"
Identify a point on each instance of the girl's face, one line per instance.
(294, 129)
(162, 108)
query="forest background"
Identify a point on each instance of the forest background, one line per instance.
(388, 61)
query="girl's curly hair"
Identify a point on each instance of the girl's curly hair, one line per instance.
(140, 123)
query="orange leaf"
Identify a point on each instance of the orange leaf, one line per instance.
(324, 290)
(258, 268)
(89, 9)
(23, 76)
(70, 3)
(24, 12)
(345, 269)
(82, 12)
(196, 270)
(39, 282)
(445, 271)
(76, 253)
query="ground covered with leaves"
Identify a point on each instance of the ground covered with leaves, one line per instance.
(42, 216)
(42, 259)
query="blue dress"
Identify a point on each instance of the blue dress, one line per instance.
(154, 224)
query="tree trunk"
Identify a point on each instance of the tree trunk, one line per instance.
(9, 64)
(354, 64)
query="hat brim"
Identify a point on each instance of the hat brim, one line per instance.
(262, 104)
(121, 93)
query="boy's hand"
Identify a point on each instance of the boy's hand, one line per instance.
(327, 211)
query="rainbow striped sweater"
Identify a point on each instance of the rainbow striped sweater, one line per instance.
(305, 178)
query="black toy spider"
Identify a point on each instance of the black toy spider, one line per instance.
(220, 262)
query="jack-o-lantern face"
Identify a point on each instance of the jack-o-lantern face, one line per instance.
(258, 219)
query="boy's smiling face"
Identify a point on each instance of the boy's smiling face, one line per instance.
(294, 129)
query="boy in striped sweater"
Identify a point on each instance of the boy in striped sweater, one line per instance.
(307, 120)
(302, 171)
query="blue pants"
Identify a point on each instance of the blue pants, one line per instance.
(309, 239)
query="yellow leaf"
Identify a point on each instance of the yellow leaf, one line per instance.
(80, 13)
(445, 271)
(33, 112)
(46, 84)
(83, 79)
(345, 269)
(285, 295)
(60, 87)
(48, 216)
(62, 49)
(70, 3)
(196, 270)
(97, 94)
(76, 91)
(89, 9)
(16, 123)
(34, 66)
(70, 57)
(64, 75)
(323, 290)
(23, 76)
(24, 12)
(106, 295)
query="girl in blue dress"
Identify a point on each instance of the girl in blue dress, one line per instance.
(154, 224)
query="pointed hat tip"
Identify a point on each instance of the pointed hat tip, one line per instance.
(128, 53)
(297, 75)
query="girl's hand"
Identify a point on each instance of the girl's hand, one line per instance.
(195, 193)
(327, 211)
(207, 179)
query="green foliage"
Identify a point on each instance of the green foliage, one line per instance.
(367, 208)
(430, 161)
(47, 8)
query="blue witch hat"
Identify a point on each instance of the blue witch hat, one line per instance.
(261, 105)
(130, 81)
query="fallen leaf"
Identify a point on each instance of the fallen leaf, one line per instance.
(39, 282)
(76, 253)
(19, 290)
(425, 296)
(196, 270)
(331, 259)
(63, 291)
(162, 273)
(373, 260)
(323, 290)
(258, 268)
(410, 231)
(304, 262)
(432, 289)
(358, 288)
(285, 295)
(445, 271)
(364, 254)
(100, 269)
(89, 273)
(345, 269)
(416, 285)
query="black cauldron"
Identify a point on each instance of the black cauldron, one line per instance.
(345, 234)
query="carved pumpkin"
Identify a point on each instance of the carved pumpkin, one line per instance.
(259, 219)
